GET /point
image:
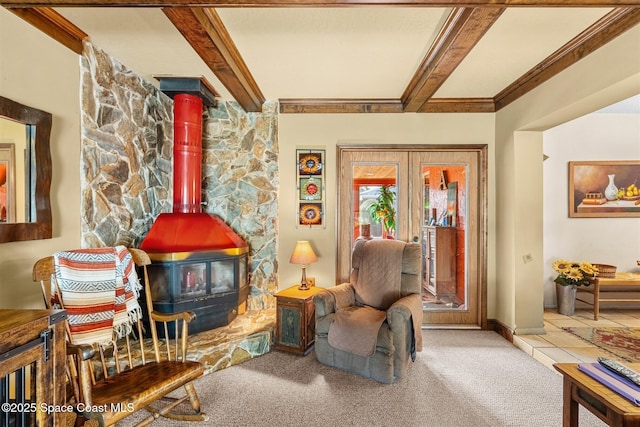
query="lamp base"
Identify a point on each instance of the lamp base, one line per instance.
(303, 281)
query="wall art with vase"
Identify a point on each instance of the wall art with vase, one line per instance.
(604, 189)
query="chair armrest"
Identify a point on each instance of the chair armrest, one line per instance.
(187, 316)
(83, 351)
(329, 299)
(400, 311)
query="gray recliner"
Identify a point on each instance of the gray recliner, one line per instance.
(371, 326)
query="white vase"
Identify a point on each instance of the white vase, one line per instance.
(611, 191)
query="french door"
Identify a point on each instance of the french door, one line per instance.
(438, 198)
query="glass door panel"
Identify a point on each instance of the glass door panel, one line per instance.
(444, 206)
(442, 235)
(375, 207)
(364, 213)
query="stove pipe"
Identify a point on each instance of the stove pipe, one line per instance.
(187, 153)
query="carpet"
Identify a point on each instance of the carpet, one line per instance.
(620, 342)
(462, 378)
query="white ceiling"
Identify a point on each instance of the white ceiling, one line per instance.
(361, 52)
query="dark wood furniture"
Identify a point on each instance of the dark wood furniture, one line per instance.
(625, 287)
(440, 267)
(32, 346)
(580, 389)
(113, 384)
(295, 319)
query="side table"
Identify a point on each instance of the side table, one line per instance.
(580, 389)
(295, 319)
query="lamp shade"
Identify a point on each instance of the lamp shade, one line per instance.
(303, 253)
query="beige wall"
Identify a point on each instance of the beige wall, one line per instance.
(329, 130)
(41, 73)
(609, 75)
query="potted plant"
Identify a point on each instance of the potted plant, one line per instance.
(383, 211)
(570, 276)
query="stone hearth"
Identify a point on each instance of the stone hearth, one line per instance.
(249, 335)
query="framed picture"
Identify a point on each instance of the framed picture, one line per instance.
(310, 188)
(7, 183)
(604, 189)
(310, 214)
(310, 162)
(310, 185)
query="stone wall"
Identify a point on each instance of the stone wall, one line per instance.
(127, 177)
(126, 156)
(240, 184)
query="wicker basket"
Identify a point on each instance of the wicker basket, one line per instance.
(606, 271)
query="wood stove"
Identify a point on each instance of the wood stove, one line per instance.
(198, 262)
(213, 284)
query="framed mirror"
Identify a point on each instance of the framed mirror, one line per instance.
(25, 174)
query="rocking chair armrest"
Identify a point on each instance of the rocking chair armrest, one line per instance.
(83, 351)
(186, 316)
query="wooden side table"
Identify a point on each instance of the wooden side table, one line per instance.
(295, 319)
(580, 389)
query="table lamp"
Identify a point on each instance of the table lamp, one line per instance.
(303, 254)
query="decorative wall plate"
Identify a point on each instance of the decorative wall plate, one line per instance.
(310, 188)
(310, 163)
(311, 213)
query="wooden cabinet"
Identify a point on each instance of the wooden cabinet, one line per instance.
(32, 367)
(439, 247)
(295, 320)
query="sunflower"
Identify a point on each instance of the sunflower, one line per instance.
(573, 273)
(310, 164)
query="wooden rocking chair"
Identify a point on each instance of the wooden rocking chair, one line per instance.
(108, 384)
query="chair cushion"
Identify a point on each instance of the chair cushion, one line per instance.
(355, 329)
(379, 264)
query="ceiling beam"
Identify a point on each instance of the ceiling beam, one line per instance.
(54, 25)
(463, 29)
(458, 105)
(206, 34)
(319, 3)
(597, 35)
(343, 105)
(325, 105)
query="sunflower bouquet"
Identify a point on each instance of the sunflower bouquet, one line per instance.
(573, 273)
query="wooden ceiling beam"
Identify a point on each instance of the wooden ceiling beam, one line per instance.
(463, 29)
(458, 105)
(204, 31)
(319, 3)
(314, 106)
(338, 106)
(597, 35)
(54, 25)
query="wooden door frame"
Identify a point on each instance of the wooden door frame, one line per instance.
(481, 250)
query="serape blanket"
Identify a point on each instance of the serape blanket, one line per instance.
(99, 289)
(617, 383)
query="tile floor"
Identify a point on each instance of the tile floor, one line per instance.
(559, 346)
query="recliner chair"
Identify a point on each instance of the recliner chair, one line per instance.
(371, 326)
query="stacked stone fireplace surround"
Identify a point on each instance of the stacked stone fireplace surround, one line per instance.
(126, 173)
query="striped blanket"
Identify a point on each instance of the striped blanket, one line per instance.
(99, 289)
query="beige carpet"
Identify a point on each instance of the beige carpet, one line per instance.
(462, 378)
